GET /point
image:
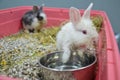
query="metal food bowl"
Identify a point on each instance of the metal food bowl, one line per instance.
(52, 63)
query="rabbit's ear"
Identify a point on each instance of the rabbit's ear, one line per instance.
(35, 8)
(41, 7)
(75, 16)
(87, 11)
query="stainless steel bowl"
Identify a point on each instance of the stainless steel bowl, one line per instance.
(77, 68)
(53, 61)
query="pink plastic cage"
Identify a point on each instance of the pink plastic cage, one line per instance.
(108, 65)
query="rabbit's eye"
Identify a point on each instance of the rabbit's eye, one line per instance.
(84, 32)
(40, 18)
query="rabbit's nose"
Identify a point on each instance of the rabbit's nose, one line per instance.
(31, 30)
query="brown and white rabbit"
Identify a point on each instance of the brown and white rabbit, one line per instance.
(34, 20)
(78, 34)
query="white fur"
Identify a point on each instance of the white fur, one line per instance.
(35, 23)
(44, 16)
(71, 36)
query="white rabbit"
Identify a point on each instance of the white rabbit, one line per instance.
(78, 34)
